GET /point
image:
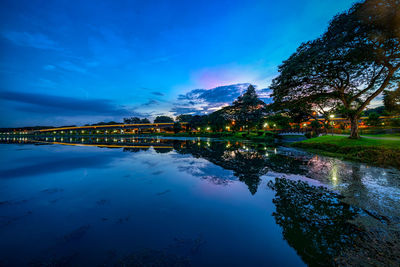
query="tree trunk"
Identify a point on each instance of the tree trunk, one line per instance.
(354, 128)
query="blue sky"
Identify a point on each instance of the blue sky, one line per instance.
(76, 62)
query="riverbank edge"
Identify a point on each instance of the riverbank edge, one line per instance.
(377, 155)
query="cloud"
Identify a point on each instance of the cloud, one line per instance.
(157, 93)
(45, 83)
(36, 40)
(67, 65)
(61, 105)
(49, 67)
(204, 101)
(151, 102)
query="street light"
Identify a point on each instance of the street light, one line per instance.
(332, 123)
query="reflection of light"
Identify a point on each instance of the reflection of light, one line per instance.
(334, 174)
(275, 150)
(266, 154)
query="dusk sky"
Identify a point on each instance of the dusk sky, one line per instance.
(77, 62)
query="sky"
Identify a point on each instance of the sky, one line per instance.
(77, 62)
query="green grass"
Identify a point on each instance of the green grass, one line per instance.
(384, 135)
(374, 151)
(343, 141)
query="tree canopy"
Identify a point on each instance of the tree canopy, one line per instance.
(391, 100)
(247, 110)
(351, 64)
(163, 119)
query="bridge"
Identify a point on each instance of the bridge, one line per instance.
(101, 129)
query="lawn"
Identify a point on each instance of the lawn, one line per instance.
(342, 141)
(375, 151)
(384, 135)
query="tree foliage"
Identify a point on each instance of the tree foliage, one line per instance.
(135, 120)
(247, 110)
(391, 101)
(163, 119)
(351, 64)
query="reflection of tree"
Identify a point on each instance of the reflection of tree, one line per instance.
(325, 231)
(163, 149)
(135, 149)
(248, 166)
(315, 222)
(248, 162)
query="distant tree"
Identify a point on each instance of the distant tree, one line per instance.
(199, 121)
(145, 120)
(380, 110)
(316, 125)
(217, 121)
(184, 118)
(163, 119)
(131, 120)
(247, 110)
(177, 127)
(278, 121)
(373, 119)
(353, 62)
(391, 100)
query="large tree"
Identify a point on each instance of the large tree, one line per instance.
(247, 110)
(353, 62)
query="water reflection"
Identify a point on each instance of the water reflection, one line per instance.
(326, 231)
(325, 228)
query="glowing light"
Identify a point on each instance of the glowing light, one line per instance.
(331, 116)
(265, 125)
(208, 128)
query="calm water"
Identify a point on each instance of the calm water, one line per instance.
(192, 202)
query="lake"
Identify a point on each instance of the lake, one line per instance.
(191, 202)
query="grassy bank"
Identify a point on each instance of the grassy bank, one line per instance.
(373, 151)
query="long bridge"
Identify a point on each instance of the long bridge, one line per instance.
(100, 129)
